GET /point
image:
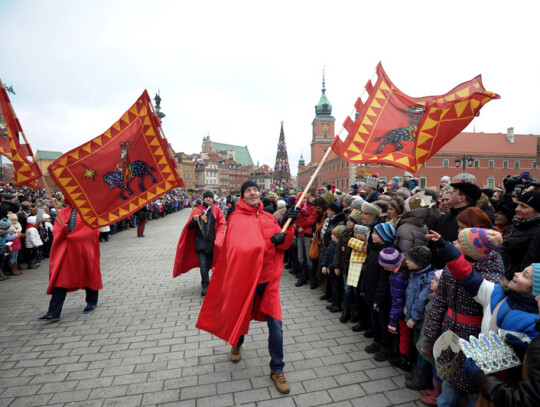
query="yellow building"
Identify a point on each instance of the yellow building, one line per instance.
(186, 166)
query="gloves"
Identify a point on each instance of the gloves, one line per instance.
(292, 214)
(376, 308)
(278, 238)
(517, 344)
(470, 368)
(392, 329)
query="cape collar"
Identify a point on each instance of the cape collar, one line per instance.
(248, 209)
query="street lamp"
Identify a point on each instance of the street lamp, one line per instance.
(464, 161)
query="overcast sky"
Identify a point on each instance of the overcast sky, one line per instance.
(236, 69)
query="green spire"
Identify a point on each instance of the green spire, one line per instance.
(324, 108)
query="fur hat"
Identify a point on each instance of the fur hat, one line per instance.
(477, 243)
(356, 216)
(419, 255)
(361, 231)
(372, 182)
(5, 224)
(383, 204)
(246, 185)
(338, 230)
(390, 258)
(386, 231)
(357, 202)
(536, 280)
(371, 209)
(531, 198)
(208, 193)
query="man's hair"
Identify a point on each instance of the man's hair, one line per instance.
(312, 191)
(321, 203)
(468, 199)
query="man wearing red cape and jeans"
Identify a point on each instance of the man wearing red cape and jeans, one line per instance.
(201, 240)
(245, 283)
(74, 263)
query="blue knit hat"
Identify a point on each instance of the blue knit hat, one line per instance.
(536, 280)
(386, 231)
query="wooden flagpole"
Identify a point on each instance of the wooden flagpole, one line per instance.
(172, 158)
(34, 159)
(326, 154)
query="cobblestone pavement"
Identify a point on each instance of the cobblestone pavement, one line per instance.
(141, 348)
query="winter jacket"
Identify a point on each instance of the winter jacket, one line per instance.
(511, 317)
(342, 255)
(527, 394)
(375, 280)
(412, 229)
(307, 218)
(417, 294)
(410, 184)
(32, 238)
(522, 247)
(451, 300)
(328, 259)
(333, 221)
(279, 214)
(398, 287)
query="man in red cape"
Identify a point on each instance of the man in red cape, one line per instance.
(245, 283)
(73, 264)
(201, 240)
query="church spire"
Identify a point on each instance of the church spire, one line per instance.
(324, 108)
(282, 173)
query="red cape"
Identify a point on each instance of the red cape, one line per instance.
(186, 258)
(228, 306)
(74, 261)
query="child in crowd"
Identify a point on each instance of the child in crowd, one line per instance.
(376, 289)
(342, 258)
(328, 269)
(16, 229)
(418, 260)
(47, 242)
(32, 241)
(358, 244)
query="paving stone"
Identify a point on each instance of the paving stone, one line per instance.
(316, 398)
(160, 397)
(243, 397)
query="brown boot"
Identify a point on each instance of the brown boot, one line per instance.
(282, 385)
(14, 270)
(236, 354)
(32, 265)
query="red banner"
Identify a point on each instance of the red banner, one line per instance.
(115, 174)
(26, 171)
(402, 131)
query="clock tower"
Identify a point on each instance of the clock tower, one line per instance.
(323, 127)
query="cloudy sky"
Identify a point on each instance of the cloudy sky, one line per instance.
(236, 69)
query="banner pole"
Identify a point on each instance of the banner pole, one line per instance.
(34, 159)
(286, 225)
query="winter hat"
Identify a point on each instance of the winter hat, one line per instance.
(395, 179)
(361, 231)
(371, 209)
(354, 186)
(477, 243)
(383, 204)
(12, 216)
(508, 209)
(246, 185)
(390, 258)
(531, 198)
(438, 274)
(372, 182)
(208, 193)
(356, 216)
(386, 231)
(468, 188)
(338, 230)
(334, 206)
(525, 175)
(407, 174)
(281, 204)
(357, 202)
(5, 224)
(419, 255)
(446, 179)
(536, 280)
(45, 216)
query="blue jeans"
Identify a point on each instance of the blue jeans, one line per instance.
(205, 261)
(349, 299)
(450, 396)
(59, 296)
(275, 336)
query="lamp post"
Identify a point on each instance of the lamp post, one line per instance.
(464, 161)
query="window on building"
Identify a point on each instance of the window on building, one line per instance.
(423, 182)
(516, 163)
(505, 164)
(476, 163)
(490, 182)
(445, 163)
(534, 165)
(491, 164)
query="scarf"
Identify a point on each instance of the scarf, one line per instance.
(518, 222)
(521, 302)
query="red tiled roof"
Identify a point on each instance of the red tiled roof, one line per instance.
(491, 143)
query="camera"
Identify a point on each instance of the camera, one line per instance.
(511, 182)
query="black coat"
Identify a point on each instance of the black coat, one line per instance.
(375, 280)
(337, 219)
(522, 247)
